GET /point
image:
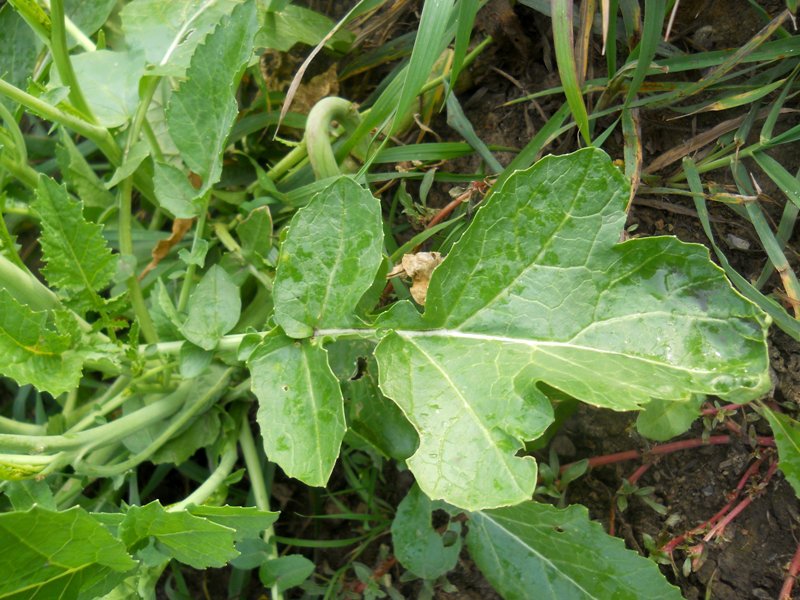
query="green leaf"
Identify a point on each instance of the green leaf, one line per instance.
(66, 554)
(286, 572)
(214, 309)
(79, 262)
(370, 414)
(328, 260)
(246, 521)
(661, 420)
(417, 545)
(255, 233)
(110, 83)
(168, 33)
(89, 16)
(174, 192)
(19, 47)
(33, 352)
(300, 407)
(538, 290)
(787, 438)
(195, 541)
(203, 109)
(24, 495)
(295, 24)
(79, 175)
(561, 554)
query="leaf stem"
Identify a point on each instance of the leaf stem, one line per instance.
(126, 249)
(99, 135)
(125, 222)
(214, 481)
(318, 137)
(60, 53)
(186, 287)
(253, 464)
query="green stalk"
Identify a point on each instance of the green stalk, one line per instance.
(256, 474)
(102, 434)
(214, 481)
(25, 288)
(126, 249)
(199, 406)
(186, 286)
(60, 53)
(99, 135)
(318, 141)
(16, 427)
(125, 223)
(21, 171)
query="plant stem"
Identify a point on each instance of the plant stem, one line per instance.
(99, 135)
(60, 53)
(181, 420)
(186, 287)
(253, 464)
(125, 231)
(125, 223)
(17, 427)
(791, 576)
(110, 432)
(318, 137)
(214, 481)
(25, 288)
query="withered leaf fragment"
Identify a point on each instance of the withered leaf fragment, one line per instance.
(418, 267)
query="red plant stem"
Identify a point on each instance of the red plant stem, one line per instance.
(637, 474)
(711, 523)
(719, 528)
(791, 577)
(712, 410)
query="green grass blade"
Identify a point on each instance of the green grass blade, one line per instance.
(772, 118)
(787, 183)
(423, 152)
(431, 41)
(530, 153)
(770, 243)
(467, 9)
(458, 121)
(567, 69)
(632, 148)
(653, 24)
(781, 318)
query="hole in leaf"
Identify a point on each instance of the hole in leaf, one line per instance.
(361, 368)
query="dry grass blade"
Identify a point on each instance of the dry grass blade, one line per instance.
(584, 37)
(604, 13)
(695, 143)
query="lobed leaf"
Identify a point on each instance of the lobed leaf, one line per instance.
(300, 407)
(79, 262)
(33, 351)
(559, 553)
(202, 110)
(48, 554)
(538, 290)
(192, 540)
(168, 33)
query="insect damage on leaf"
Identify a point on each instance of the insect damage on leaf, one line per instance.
(419, 267)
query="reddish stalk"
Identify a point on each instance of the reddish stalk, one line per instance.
(791, 577)
(715, 526)
(660, 449)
